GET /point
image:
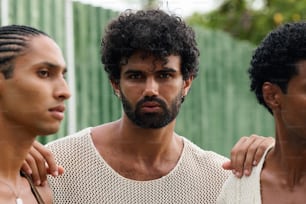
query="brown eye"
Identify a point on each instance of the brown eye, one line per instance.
(164, 75)
(135, 76)
(43, 73)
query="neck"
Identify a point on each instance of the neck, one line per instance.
(137, 153)
(141, 144)
(289, 156)
(15, 145)
(144, 140)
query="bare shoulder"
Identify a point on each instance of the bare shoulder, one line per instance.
(106, 127)
(102, 132)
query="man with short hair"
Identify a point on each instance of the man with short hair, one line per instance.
(278, 79)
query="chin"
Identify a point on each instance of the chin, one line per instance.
(48, 130)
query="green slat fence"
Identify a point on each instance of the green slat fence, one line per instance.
(219, 108)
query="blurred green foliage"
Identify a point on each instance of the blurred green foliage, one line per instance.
(243, 21)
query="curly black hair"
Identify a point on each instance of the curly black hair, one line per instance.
(150, 31)
(276, 57)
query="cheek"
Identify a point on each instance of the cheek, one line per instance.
(131, 91)
(27, 94)
(294, 111)
(172, 90)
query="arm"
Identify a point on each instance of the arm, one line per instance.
(40, 162)
(246, 153)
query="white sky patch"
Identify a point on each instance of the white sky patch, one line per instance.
(180, 7)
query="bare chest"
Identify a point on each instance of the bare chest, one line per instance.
(283, 196)
(138, 169)
(274, 190)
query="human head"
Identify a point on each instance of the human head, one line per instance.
(32, 84)
(276, 57)
(153, 32)
(13, 42)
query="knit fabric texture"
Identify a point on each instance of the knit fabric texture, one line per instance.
(245, 190)
(88, 179)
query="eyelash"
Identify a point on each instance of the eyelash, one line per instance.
(161, 75)
(165, 75)
(42, 73)
(47, 73)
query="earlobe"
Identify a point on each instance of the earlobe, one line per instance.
(187, 85)
(117, 94)
(115, 86)
(271, 95)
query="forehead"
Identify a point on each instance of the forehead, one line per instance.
(301, 68)
(41, 49)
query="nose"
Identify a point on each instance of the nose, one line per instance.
(151, 87)
(62, 91)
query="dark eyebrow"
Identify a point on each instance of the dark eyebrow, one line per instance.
(53, 66)
(167, 69)
(131, 71)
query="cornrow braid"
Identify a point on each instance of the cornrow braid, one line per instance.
(13, 41)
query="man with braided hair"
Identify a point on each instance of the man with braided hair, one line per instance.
(32, 95)
(151, 59)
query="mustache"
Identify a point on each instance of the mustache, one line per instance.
(151, 99)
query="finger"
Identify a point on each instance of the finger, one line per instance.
(31, 163)
(227, 165)
(48, 158)
(60, 171)
(255, 144)
(266, 143)
(246, 154)
(38, 166)
(26, 168)
(238, 156)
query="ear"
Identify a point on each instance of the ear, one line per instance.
(187, 85)
(271, 95)
(116, 87)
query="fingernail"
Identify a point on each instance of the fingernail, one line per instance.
(246, 172)
(37, 183)
(238, 174)
(55, 173)
(254, 162)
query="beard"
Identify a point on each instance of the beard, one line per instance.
(152, 120)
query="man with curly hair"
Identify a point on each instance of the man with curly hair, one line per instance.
(151, 59)
(278, 79)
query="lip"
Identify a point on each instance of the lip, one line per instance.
(150, 103)
(58, 112)
(150, 106)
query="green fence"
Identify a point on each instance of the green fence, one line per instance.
(218, 110)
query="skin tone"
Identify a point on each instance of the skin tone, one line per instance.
(283, 179)
(32, 101)
(144, 153)
(139, 79)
